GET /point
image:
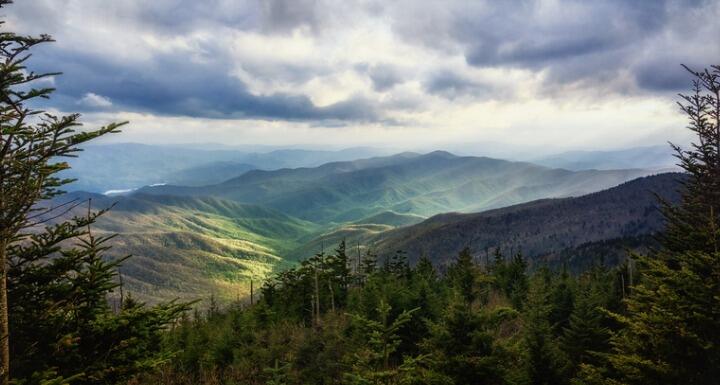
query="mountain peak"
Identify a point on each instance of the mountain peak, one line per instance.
(440, 154)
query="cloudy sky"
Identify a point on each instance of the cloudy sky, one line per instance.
(542, 74)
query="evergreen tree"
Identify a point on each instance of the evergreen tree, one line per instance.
(374, 364)
(62, 322)
(511, 277)
(368, 264)
(31, 142)
(694, 225)
(462, 346)
(670, 332)
(462, 275)
(562, 300)
(278, 374)
(339, 275)
(586, 335)
(543, 361)
(425, 269)
(55, 322)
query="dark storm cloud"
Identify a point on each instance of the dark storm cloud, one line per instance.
(614, 45)
(452, 85)
(662, 76)
(287, 15)
(175, 85)
(384, 76)
(575, 40)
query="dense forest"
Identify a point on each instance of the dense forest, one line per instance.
(343, 317)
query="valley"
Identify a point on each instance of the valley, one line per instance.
(198, 240)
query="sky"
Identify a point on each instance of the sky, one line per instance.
(547, 74)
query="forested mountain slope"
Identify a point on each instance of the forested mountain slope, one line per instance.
(192, 247)
(546, 229)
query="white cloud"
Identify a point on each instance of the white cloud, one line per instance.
(95, 101)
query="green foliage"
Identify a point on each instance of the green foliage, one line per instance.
(669, 327)
(373, 363)
(463, 345)
(60, 327)
(511, 277)
(669, 333)
(397, 325)
(60, 315)
(462, 275)
(694, 225)
(544, 359)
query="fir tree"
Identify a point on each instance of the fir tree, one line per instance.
(694, 225)
(462, 275)
(368, 264)
(374, 365)
(462, 346)
(670, 332)
(55, 321)
(586, 335)
(543, 361)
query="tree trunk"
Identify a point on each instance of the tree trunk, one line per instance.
(317, 299)
(4, 324)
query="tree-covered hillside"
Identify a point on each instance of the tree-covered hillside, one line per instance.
(190, 248)
(543, 230)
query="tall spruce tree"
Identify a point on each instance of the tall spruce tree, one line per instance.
(31, 141)
(462, 275)
(374, 364)
(694, 225)
(56, 325)
(543, 359)
(670, 332)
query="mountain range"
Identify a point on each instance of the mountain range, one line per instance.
(406, 183)
(198, 239)
(127, 166)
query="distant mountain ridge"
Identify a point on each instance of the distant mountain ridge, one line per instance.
(407, 183)
(650, 157)
(546, 229)
(126, 166)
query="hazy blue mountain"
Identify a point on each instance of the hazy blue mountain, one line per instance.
(391, 218)
(406, 183)
(292, 158)
(208, 173)
(651, 157)
(127, 166)
(550, 229)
